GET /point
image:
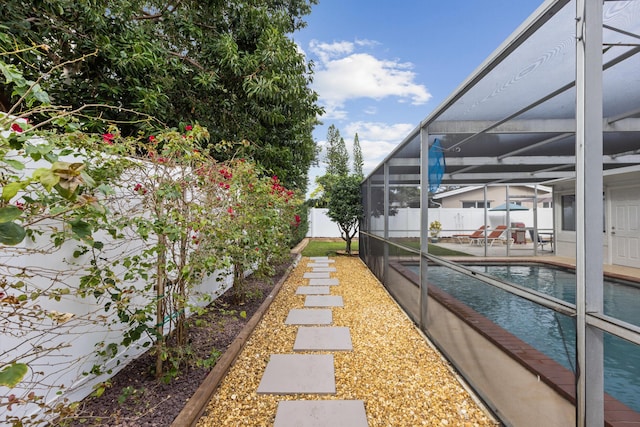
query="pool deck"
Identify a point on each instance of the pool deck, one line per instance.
(525, 253)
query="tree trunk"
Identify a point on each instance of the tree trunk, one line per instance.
(181, 318)
(238, 284)
(160, 304)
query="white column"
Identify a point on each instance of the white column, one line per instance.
(589, 218)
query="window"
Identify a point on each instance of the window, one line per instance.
(569, 212)
(475, 204)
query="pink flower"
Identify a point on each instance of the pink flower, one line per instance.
(138, 188)
(108, 138)
(152, 138)
(188, 127)
(16, 127)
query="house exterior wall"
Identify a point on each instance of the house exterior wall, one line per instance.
(566, 239)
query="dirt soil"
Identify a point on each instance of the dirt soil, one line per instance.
(136, 398)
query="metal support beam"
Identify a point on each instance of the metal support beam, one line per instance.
(386, 197)
(589, 218)
(486, 219)
(424, 225)
(508, 218)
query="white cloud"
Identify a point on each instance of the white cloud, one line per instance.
(348, 75)
(376, 139)
(366, 43)
(380, 131)
(334, 112)
(370, 110)
(327, 51)
(343, 74)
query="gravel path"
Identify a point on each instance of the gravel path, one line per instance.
(401, 379)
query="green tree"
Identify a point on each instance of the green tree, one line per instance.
(337, 164)
(345, 207)
(358, 162)
(337, 159)
(229, 66)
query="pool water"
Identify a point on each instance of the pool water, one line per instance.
(549, 332)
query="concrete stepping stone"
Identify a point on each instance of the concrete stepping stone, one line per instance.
(321, 413)
(299, 373)
(309, 316)
(323, 270)
(313, 290)
(324, 282)
(329, 338)
(317, 264)
(323, 275)
(321, 259)
(323, 301)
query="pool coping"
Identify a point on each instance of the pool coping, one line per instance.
(556, 376)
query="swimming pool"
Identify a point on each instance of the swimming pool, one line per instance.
(552, 333)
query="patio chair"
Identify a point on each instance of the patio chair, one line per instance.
(476, 234)
(541, 240)
(495, 235)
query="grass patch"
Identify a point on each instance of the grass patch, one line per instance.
(440, 251)
(433, 249)
(324, 248)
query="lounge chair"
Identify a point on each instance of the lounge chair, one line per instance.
(495, 235)
(541, 240)
(476, 234)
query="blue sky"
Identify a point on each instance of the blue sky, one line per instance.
(383, 66)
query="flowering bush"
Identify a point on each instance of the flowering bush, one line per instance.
(135, 222)
(151, 211)
(257, 229)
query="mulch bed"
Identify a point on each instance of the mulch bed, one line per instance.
(136, 398)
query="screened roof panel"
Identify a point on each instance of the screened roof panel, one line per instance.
(513, 120)
(540, 65)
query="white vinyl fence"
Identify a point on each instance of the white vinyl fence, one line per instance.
(406, 221)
